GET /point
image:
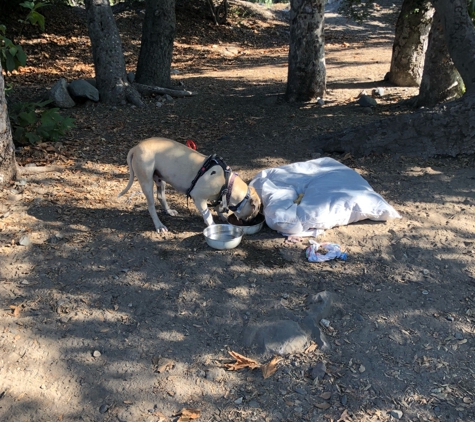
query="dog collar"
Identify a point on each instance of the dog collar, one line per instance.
(237, 208)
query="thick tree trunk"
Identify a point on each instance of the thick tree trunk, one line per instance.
(441, 81)
(156, 50)
(307, 72)
(108, 57)
(8, 167)
(410, 42)
(447, 130)
(460, 37)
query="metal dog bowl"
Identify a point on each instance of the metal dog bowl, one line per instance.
(249, 227)
(223, 236)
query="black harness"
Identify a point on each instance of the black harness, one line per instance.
(211, 161)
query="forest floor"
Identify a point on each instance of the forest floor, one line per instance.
(103, 319)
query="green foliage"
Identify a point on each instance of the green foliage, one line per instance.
(11, 56)
(32, 123)
(33, 17)
(471, 9)
(358, 10)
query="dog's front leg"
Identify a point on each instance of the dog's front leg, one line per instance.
(222, 215)
(202, 206)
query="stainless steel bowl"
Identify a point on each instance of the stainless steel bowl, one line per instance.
(252, 227)
(223, 236)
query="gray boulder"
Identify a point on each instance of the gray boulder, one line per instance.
(60, 96)
(367, 101)
(82, 90)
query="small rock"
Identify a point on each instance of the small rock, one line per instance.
(131, 77)
(367, 101)
(254, 404)
(59, 95)
(425, 292)
(344, 400)
(238, 401)
(25, 241)
(104, 408)
(300, 391)
(450, 318)
(158, 104)
(25, 282)
(396, 414)
(96, 353)
(82, 90)
(325, 323)
(318, 371)
(320, 101)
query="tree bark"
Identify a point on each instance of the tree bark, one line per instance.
(460, 36)
(109, 63)
(448, 129)
(410, 42)
(156, 50)
(441, 81)
(8, 167)
(307, 72)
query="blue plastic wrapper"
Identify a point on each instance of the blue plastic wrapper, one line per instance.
(333, 252)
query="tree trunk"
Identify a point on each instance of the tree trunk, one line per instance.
(307, 72)
(156, 50)
(448, 129)
(8, 167)
(109, 63)
(460, 37)
(441, 81)
(410, 42)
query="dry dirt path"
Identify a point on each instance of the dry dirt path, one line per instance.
(103, 320)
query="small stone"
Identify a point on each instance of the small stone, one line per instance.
(254, 404)
(238, 401)
(459, 336)
(425, 292)
(344, 400)
(320, 101)
(367, 101)
(325, 323)
(25, 282)
(104, 408)
(25, 241)
(450, 318)
(396, 414)
(96, 353)
(301, 391)
(318, 371)
(425, 272)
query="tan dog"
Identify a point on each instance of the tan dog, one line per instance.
(161, 161)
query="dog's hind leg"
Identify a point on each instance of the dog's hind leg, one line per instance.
(161, 195)
(147, 189)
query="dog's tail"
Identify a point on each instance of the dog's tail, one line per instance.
(130, 155)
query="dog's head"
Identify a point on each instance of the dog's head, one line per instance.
(251, 208)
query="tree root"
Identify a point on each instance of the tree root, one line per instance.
(148, 90)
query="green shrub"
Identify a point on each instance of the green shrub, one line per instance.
(32, 123)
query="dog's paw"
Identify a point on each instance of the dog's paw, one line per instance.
(173, 213)
(162, 229)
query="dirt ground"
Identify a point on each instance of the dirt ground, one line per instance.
(103, 319)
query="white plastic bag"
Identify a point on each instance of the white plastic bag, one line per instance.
(331, 193)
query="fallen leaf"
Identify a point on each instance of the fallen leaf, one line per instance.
(323, 405)
(187, 415)
(311, 348)
(241, 362)
(270, 367)
(326, 395)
